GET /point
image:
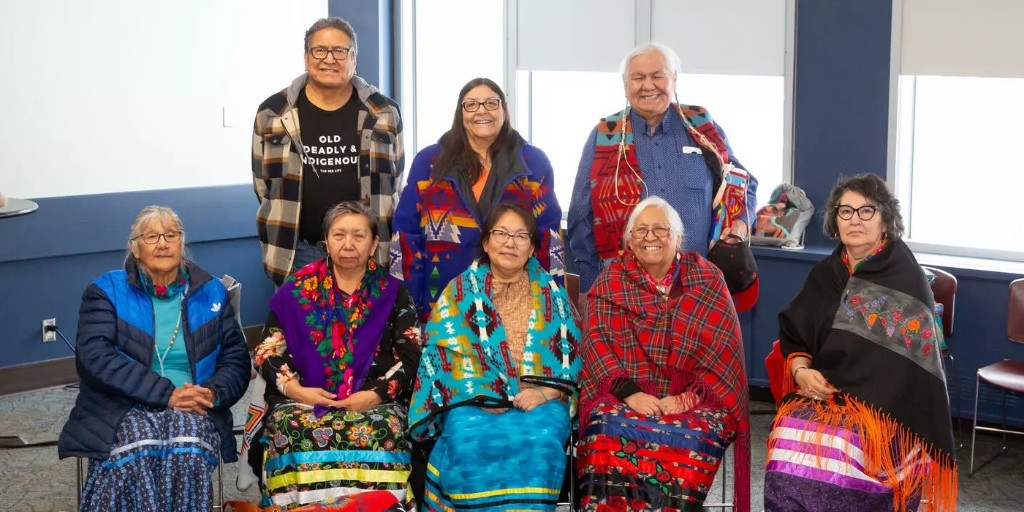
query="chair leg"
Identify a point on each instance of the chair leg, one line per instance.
(959, 402)
(974, 429)
(81, 478)
(1003, 448)
(218, 505)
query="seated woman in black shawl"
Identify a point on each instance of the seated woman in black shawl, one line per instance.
(866, 423)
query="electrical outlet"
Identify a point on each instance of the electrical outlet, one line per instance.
(51, 333)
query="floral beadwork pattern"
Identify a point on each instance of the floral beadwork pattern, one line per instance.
(890, 318)
(332, 328)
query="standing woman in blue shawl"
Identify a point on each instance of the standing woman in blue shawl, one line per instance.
(865, 425)
(497, 381)
(343, 350)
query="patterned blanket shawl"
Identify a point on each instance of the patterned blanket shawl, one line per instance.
(466, 360)
(691, 342)
(332, 337)
(873, 335)
(617, 180)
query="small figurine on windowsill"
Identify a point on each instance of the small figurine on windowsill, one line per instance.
(3, 200)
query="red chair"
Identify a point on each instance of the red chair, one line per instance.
(1007, 375)
(944, 290)
(775, 364)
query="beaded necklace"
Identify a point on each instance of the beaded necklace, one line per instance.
(156, 349)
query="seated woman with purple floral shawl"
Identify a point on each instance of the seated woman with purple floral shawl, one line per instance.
(342, 352)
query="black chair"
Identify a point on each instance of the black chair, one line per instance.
(1006, 375)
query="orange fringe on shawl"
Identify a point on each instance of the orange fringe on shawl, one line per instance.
(908, 464)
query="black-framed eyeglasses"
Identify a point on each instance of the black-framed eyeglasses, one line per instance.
(501, 236)
(320, 52)
(170, 237)
(474, 105)
(659, 232)
(866, 212)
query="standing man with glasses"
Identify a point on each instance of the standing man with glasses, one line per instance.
(348, 147)
(653, 147)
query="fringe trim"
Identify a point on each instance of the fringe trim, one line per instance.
(909, 465)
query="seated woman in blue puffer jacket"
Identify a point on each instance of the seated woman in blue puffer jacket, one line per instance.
(161, 360)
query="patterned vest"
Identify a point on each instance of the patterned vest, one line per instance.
(616, 179)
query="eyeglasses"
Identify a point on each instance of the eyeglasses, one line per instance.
(474, 105)
(641, 233)
(339, 52)
(866, 212)
(501, 236)
(152, 238)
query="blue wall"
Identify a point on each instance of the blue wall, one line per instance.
(48, 257)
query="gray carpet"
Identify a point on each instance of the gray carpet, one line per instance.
(33, 479)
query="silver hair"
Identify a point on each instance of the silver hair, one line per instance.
(332, 22)
(351, 208)
(149, 214)
(675, 66)
(674, 221)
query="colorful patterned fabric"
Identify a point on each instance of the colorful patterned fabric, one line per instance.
(873, 336)
(629, 461)
(667, 345)
(277, 154)
(466, 360)
(817, 466)
(327, 459)
(617, 185)
(162, 459)
(322, 324)
(514, 460)
(437, 231)
(312, 445)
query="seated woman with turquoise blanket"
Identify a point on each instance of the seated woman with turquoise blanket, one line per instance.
(497, 381)
(343, 349)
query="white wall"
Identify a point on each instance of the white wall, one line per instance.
(118, 95)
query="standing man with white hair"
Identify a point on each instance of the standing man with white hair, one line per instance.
(349, 148)
(655, 146)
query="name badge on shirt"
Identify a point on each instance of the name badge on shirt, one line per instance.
(691, 149)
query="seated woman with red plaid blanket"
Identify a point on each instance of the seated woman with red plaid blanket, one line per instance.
(664, 391)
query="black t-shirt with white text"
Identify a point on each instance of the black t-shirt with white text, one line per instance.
(330, 165)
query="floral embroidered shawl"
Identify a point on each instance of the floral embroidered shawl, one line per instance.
(669, 345)
(466, 359)
(331, 338)
(873, 335)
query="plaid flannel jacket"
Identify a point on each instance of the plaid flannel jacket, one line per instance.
(277, 169)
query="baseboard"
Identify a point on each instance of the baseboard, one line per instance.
(43, 374)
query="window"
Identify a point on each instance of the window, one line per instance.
(561, 79)
(959, 178)
(956, 149)
(445, 45)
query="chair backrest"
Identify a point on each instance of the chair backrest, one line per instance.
(775, 364)
(1015, 316)
(253, 336)
(572, 287)
(579, 301)
(944, 291)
